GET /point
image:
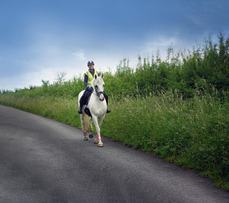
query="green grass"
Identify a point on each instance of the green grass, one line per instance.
(193, 133)
(61, 109)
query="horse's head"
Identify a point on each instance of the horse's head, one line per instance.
(98, 86)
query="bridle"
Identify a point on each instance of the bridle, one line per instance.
(98, 93)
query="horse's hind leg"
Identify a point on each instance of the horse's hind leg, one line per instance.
(84, 127)
(91, 131)
(90, 122)
(100, 144)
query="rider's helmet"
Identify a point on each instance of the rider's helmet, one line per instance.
(90, 63)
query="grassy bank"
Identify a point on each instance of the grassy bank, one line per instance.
(61, 109)
(193, 132)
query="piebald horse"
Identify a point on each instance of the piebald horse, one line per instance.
(97, 107)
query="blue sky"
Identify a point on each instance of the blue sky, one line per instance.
(41, 38)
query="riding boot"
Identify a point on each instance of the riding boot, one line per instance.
(106, 97)
(80, 110)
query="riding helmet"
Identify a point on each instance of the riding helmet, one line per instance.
(90, 63)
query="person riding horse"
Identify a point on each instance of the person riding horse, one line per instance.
(88, 77)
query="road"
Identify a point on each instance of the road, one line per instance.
(42, 160)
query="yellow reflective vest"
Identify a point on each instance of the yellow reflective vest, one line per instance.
(90, 77)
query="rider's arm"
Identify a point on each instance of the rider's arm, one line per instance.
(85, 80)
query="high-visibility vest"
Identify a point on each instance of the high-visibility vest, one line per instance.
(90, 77)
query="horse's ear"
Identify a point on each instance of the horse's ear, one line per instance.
(102, 75)
(95, 76)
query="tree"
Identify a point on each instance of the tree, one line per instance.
(61, 77)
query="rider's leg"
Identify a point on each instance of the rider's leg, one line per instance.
(106, 97)
(82, 102)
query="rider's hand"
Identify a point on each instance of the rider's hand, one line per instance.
(89, 88)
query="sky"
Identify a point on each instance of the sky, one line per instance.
(41, 38)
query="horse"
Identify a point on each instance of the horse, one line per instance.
(96, 108)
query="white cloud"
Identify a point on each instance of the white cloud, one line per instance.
(80, 55)
(162, 43)
(35, 77)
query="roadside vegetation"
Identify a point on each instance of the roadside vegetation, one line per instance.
(177, 108)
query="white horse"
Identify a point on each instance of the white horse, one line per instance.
(97, 106)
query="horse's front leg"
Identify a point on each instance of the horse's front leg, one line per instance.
(96, 141)
(101, 120)
(95, 120)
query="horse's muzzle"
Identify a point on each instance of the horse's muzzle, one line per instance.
(101, 96)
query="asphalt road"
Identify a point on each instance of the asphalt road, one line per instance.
(42, 160)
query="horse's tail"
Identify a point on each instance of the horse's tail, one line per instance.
(86, 120)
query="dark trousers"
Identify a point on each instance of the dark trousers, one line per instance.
(86, 95)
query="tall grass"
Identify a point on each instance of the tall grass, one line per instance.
(58, 108)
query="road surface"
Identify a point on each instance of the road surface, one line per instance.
(42, 160)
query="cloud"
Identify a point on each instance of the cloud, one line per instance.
(80, 55)
(196, 20)
(162, 43)
(35, 78)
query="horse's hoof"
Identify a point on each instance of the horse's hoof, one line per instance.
(90, 135)
(100, 145)
(85, 139)
(96, 141)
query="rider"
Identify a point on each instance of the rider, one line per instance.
(88, 77)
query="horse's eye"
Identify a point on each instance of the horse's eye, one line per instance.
(96, 87)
